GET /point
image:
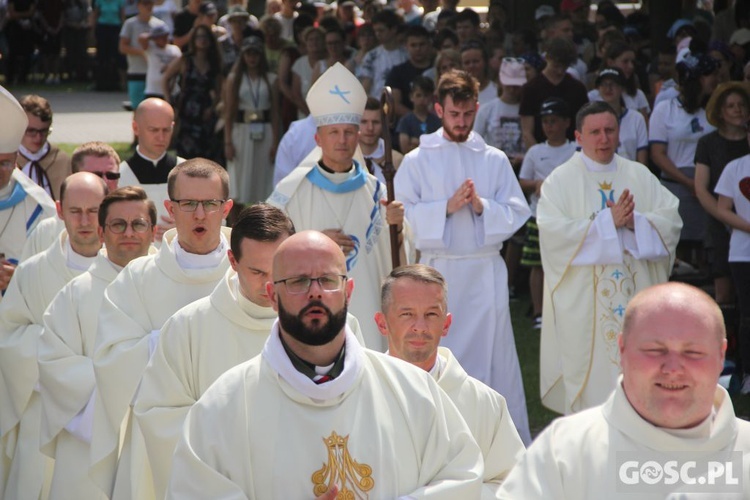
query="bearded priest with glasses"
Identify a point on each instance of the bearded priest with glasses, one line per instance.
(191, 261)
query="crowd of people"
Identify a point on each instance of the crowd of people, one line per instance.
(242, 309)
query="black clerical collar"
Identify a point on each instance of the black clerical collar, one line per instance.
(327, 169)
(155, 162)
(308, 369)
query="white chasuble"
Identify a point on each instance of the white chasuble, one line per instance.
(381, 429)
(198, 344)
(580, 457)
(24, 205)
(66, 377)
(44, 234)
(349, 202)
(465, 248)
(135, 307)
(592, 270)
(34, 285)
(489, 421)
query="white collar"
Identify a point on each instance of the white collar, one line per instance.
(379, 151)
(437, 368)
(34, 156)
(187, 260)
(248, 306)
(74, 260)
(437, 139)
(595, 166)
(275, 355)
(155, 162)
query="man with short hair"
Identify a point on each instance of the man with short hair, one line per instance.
(44, 163)
(66, 372)
(467, 24)
(419, 59)
(350, 204)
(378, 62)
(23, 204)
(129, 46)
(463, 200)
(149, 167)
(607, 229)
(371, 140)
(666, 406)
(561, 26)
(475, 60)
(191, 261)
(414, 316)
(369, 425)
(34, 285)
(96, 157)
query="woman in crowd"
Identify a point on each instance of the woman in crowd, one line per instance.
(621, 55)
(251, 124)
(675, 127)
(302, 69)
(610, 85)
(200, 80)
(728, 110)
(366, 41)
(289, 56)
(733, 208)
(336, 50)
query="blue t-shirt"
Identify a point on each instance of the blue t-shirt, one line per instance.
(109, 12)
(412, 126)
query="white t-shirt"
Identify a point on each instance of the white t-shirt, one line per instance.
(489, 93)
(729, 185)
(377, 64)
(540, 160)
(166, 12)
(638, 101)
(672, 125)
(500, 126)
(157, 60)
(633, 134)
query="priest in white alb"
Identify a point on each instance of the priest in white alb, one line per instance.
(665, 420)
(336, 194)
(316, 413)
(23, 204)
(66, 372)
(35, 283)
(607, 229)
(414, 317)
(190, 263)
(463, 201)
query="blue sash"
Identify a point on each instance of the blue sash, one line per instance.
(16, 197)
(357, 181)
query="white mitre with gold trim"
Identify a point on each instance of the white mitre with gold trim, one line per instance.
(13, 122)
(336, 97)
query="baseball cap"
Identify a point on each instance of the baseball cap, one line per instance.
(512, 71)
(159, 30)
(554, 106)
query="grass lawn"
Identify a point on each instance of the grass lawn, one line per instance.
(122, 148)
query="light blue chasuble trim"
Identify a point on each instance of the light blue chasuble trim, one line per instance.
(16, 197)
(358, 180)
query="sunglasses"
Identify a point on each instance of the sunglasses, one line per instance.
(112, 176)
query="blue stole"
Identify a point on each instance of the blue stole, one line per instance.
(16, 196)
(357, 181)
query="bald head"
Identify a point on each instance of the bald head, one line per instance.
(308, 247)
(673, 299)
(80, 196)
(152, 124)
(83, 181)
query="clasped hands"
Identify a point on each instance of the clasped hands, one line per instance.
(623, 212)
(466, 194)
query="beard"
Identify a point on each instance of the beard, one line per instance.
(458, 137)
(317, 334)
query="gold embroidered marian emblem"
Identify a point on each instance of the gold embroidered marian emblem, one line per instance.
(352, 478)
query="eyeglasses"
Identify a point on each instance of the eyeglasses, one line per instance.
(43, 132)
(112, 176)
(119, 226)
(301, 284)
(192, 205)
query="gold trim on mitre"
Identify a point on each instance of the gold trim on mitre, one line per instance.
(13, 124)
(336, 97)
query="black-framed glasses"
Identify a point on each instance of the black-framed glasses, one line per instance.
(301, 284)
(111, 176)
(192, 205)
(44, 132)
(119, 226)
